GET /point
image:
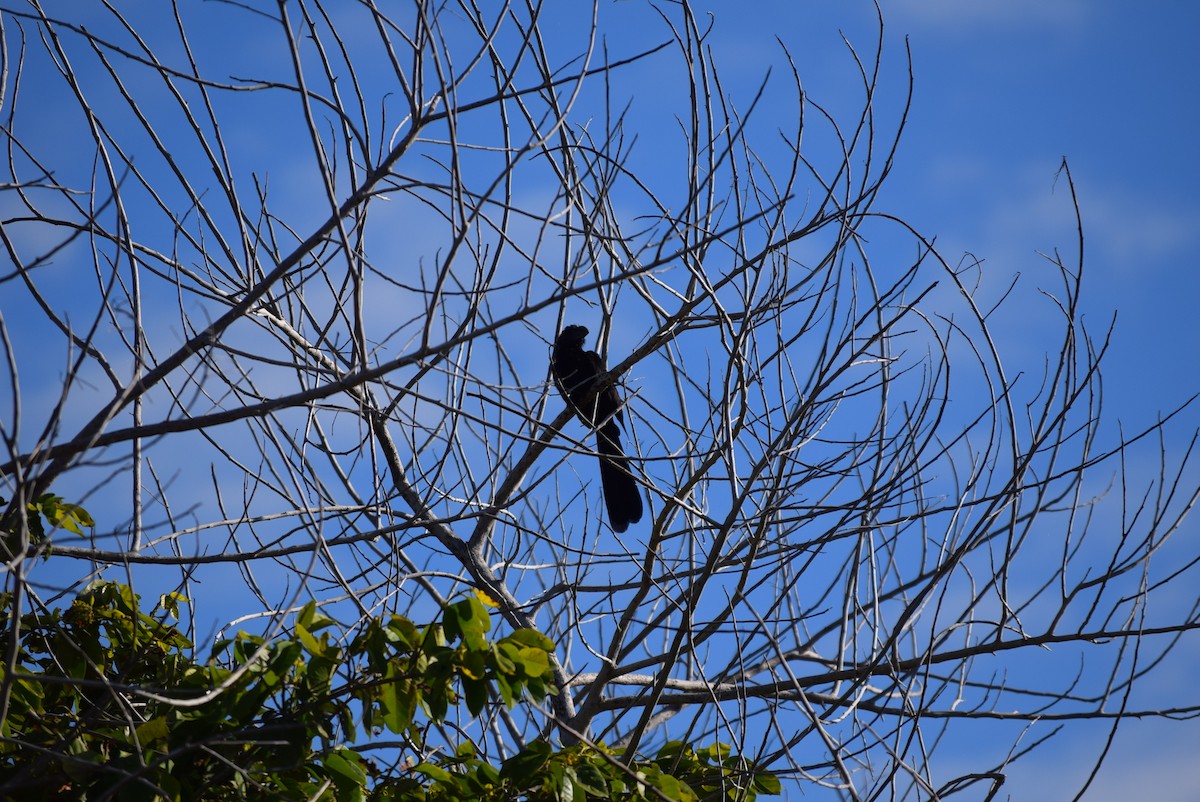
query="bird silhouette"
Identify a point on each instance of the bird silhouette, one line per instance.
(577, 373)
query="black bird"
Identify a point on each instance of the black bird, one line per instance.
(577, 373)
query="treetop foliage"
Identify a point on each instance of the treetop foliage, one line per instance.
(106, 701)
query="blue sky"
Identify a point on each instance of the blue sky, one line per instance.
(1003, 94)
(1004, 90)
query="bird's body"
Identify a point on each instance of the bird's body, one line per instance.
(577, 373)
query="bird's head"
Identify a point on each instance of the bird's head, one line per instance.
(572, 336)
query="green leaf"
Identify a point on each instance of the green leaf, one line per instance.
(452, 620)
(674, 788)
(504, 663)
(535, 662)
(717, 753)
(170, 602)
(531, 638)
(434, 634)
(346, 764)
(305, 616)
(311, 644)
(404, 631)
(476, 695)
(506, 690)
(469, 620)
(473, 665)
(59, 513)
(312, 619)
(433, 772)
(153, 731)
(346, 771)
(526, 763)
(71, 517)
(536, 688)
(397, 702)
(566, 791)
(590, 778)
(769, 784)
(437, 701)
(486, 772)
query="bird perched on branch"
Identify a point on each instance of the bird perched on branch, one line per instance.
(577, 373)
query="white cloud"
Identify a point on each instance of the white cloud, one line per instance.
(1026, 208)
(1139, 232)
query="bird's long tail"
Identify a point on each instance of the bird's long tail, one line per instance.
(621, 494)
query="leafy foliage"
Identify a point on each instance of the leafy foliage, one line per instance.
(59, 514)
(109, 702)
